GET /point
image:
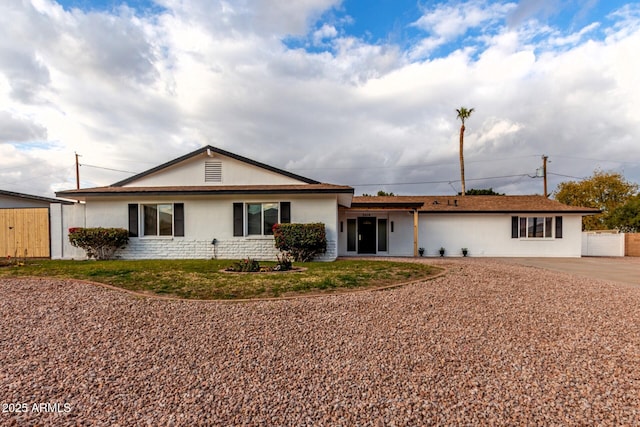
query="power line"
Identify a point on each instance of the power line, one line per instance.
(454, 162)
(11, 168)
(21, 180)
(420, 165)
(449, 181)
(595, 160)
(566, 176)
(108, 169)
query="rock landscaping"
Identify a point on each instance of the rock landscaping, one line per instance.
(486, 344)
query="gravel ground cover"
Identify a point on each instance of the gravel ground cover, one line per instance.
(488, 343)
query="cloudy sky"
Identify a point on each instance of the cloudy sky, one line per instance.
(353, 92)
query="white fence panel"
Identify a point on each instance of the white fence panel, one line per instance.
(602, 244)
(64, 217)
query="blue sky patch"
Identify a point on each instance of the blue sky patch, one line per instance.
(141, 6)
(394, 22)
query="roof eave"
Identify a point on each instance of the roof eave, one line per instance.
(82, 195)
(34, 198)
(513, 211)
(387, 206)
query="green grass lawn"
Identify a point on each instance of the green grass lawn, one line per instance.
(202, 279)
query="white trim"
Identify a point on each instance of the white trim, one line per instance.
(141, 234)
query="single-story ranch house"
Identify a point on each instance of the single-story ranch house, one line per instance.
(213, 203)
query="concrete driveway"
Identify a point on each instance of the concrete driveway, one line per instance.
(617, 269)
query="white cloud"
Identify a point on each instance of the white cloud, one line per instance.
(26, 73)
(131, 91)
(242, 17)
(626, 21)
(325, 32)
(19, 129)
(447, 22)
(450, 21)
(574, 38)
(528, 9)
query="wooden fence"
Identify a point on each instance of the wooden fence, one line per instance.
(632, 244)
(24, 233)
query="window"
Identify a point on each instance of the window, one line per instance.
(259, 218)
(535, 227)
(157, 220)
(558, 227)
(133, 220)
(382, 235)
(165, 219)
(351, 234)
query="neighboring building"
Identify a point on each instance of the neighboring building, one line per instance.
(24, 224)
(213, 203)
(12, 200)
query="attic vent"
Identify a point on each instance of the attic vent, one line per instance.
(213, 172)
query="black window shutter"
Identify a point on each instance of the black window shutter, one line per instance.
(238, 223)
(285, 212)
(133, 220)
(515, 226)
(558, 227)
(178, 219)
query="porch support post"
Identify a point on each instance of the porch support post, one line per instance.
(415, 232)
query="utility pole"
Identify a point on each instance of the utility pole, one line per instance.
(77, 172)
(544, 173)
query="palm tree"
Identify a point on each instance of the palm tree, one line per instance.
(463, 114)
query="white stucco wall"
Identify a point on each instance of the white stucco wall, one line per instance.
(191, 172)
(207, 218)
(401, 239)
(62, 217)
(490, 235)
(484, 235)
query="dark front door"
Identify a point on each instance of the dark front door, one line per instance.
(366, 235)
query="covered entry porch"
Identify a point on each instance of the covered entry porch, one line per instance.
(386, 229)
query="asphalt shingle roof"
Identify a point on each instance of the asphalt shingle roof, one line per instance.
(470, 204)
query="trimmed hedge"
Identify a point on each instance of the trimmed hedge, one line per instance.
(302, 241)
(99, 243)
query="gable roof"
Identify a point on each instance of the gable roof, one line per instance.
(33, 198)
(470, 204)
(121, 188)
(209, 148)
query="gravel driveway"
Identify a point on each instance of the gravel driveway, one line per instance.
(488, 343)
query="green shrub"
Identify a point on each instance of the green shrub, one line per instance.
(99, 243)
(302, 241)
(247, 265)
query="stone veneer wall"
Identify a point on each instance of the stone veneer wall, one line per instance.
(261, 249)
